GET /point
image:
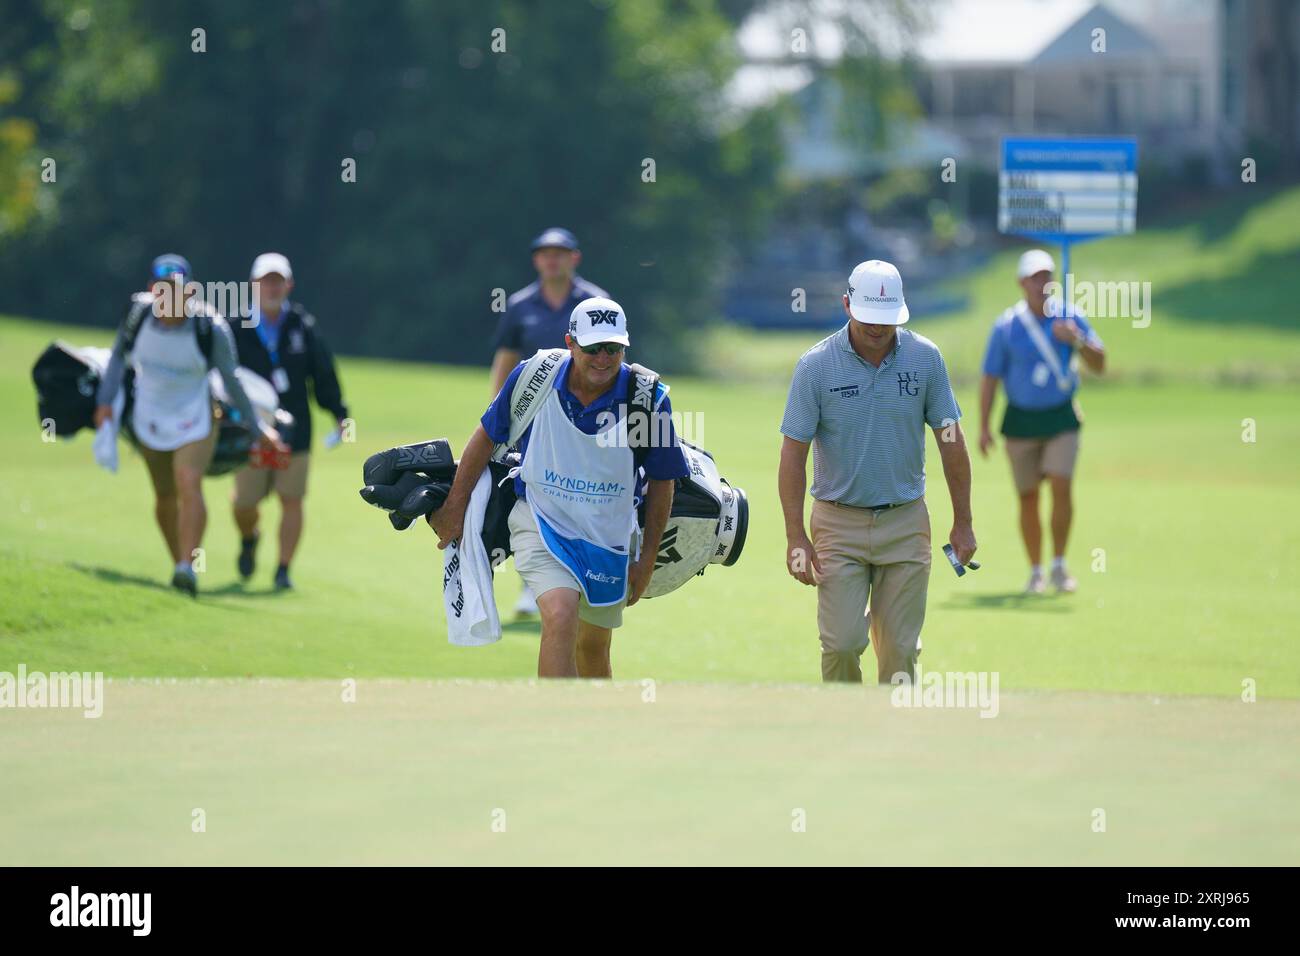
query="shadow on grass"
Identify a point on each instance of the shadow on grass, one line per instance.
(1015, 601)
(238, 588)
(114, 576)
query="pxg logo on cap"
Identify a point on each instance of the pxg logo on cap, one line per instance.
(876, 294)
(598, 320)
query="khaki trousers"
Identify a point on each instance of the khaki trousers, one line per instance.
(882, 558)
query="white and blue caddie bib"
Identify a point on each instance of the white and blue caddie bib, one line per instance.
(580, 488)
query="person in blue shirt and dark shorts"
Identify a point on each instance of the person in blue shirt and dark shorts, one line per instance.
(1034, 351)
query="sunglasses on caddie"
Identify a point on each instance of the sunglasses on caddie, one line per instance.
(609, 348)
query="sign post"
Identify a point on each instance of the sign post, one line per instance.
(1067, 190)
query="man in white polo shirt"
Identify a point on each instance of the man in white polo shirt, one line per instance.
(861, 400)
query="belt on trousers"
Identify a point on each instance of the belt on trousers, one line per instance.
(874, 509)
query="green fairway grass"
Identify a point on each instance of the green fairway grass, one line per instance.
(1195, 526)
(1163, 693)
(420, 772)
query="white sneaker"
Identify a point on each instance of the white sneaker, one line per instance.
(1036, 585)
(527, 604)
(1062, 581)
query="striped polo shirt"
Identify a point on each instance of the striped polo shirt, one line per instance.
(867, 424)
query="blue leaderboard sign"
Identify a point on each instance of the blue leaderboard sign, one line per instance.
(1067, 189)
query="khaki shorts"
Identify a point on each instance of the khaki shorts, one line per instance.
(162, 464)
(1033, 458)
(542, 572)
(254, 484)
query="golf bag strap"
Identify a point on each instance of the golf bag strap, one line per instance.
(1049, 356)
(203, 333)
(642, 386)
(140, 309)
(525, 399)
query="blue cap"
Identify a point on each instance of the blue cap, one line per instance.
(168, 265)
(555, 238)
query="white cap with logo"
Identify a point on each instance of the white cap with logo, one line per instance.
(269, 262)
(1033, 262)
(876, 294)
(598, 320)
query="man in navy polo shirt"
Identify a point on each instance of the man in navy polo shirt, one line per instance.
(573, 530)
(537, 317)
(1034, 350)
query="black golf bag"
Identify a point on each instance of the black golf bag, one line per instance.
(707, 524)
(66, 380)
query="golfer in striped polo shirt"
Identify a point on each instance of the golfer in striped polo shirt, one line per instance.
(862, 399)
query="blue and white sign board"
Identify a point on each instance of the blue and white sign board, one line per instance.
(1067, 189)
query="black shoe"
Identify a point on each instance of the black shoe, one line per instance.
(282, 582)
(248, 555)
(186, 581)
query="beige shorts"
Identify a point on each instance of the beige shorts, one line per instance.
(1033, 458)
(254, 484)
(542, 572)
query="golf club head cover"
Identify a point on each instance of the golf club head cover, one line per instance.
(413, 481)
(432, 457)
(425, 499)
(390, 496)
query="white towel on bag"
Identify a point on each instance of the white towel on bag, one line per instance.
(467, 595)
(105, 443)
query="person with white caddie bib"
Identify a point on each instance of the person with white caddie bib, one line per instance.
(537, 317)
(574, 529)
(172, 338)
(1034, 351)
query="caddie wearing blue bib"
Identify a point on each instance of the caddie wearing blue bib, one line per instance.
(574, 529)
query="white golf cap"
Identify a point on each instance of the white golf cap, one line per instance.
(1033, 262)
(598, 320)
(876, 294)
(269, 262)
